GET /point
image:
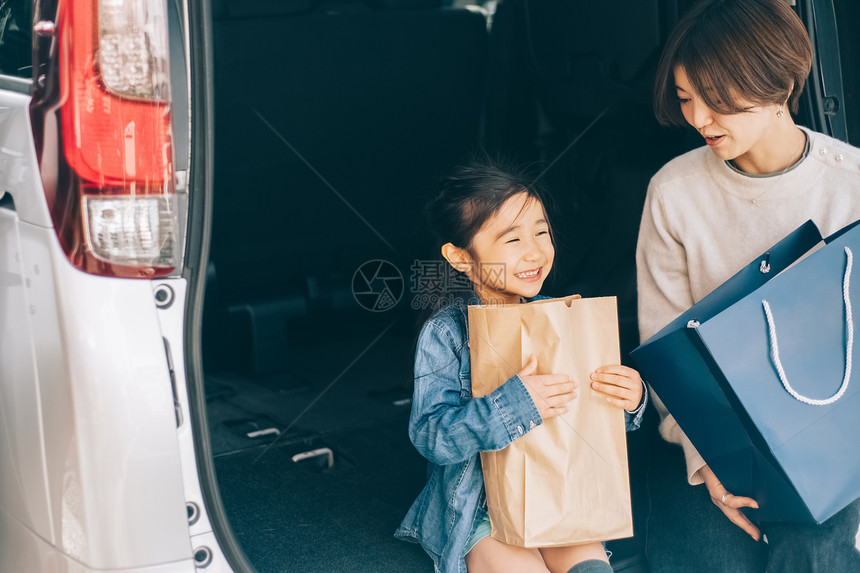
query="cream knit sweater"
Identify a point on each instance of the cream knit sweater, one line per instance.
(703, 221)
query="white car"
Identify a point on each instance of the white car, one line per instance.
(212, 263)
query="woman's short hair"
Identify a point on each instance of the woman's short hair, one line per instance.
(736, 54)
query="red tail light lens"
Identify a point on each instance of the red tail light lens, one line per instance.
(116, 138)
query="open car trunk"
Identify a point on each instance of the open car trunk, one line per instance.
(332, 123)
(332, 126)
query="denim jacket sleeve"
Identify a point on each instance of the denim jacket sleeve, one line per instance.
(634, 419)
(447, 424)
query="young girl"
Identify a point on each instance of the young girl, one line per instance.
(493, 227)
(734, 71)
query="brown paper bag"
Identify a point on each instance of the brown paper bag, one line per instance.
(566, 481)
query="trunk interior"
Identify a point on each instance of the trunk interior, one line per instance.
(333, 122)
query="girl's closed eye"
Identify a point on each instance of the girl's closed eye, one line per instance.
(512, 240)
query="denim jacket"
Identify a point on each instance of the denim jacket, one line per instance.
(450, 428)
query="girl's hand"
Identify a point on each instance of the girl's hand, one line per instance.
(730, 504)
(621, 385)
(550, 392)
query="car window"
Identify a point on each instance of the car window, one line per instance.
(16, 31)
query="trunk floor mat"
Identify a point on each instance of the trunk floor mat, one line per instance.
(303, 517)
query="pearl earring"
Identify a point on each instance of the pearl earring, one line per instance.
(780, 112)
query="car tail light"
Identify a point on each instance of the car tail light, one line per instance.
(119, 216)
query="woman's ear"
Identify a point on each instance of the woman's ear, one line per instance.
(458, 258)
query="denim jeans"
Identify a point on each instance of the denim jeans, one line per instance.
(687, 533)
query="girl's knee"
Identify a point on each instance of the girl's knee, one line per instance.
(493, 556)
(566, 559)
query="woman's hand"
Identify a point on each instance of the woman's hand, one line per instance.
(621, 385)
(730, 504)
(550, 392)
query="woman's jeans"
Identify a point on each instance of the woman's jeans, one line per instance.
(687, 533)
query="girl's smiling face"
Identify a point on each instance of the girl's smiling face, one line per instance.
(512, 253)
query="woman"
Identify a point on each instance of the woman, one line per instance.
(734, 70)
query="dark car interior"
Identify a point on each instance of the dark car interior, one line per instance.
(333, 122)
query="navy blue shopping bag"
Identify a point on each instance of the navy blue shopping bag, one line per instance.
(758, 374)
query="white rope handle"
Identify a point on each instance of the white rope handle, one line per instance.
(849, 325)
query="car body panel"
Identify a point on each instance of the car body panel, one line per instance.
(26, 552)
(89, 430)
(19, 170)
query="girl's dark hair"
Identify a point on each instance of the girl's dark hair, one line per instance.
(735, 53)
(473, 193)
